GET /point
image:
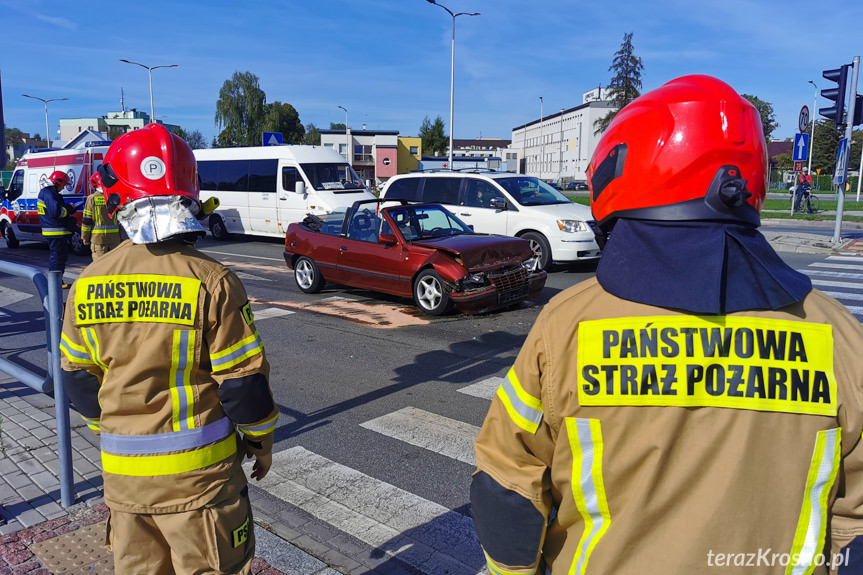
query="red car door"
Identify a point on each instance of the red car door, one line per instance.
(363, 262)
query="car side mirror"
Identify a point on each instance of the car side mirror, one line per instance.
(388, 239)
(300, 188)
(497, 203)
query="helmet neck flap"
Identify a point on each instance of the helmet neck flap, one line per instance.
(154, 219)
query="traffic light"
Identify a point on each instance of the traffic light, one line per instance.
(837, 94)
(858, 111)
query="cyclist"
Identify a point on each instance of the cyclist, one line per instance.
(804, 184)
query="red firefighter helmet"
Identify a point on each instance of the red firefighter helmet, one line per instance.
(692, 149)
(59, 179)
(150, 161)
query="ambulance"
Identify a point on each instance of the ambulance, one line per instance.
(19, 219)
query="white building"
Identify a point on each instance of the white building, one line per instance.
(124, 121)
(558, 147)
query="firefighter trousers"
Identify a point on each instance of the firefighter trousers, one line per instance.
(217, 539)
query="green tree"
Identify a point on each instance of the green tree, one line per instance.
(337, 126)
(195, 138)
(625, 85)
(768, 118)
(285, 119)
(13, 135)
(114, 132)
(240, 111)
(433, 136)
(825, 146)
(313, 135)
(783, 161)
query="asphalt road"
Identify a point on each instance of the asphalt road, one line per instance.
(343, 359)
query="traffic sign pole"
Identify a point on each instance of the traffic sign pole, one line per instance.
(849, 130)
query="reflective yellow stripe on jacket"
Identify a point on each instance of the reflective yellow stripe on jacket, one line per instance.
(588, 488)
(812, 525)
(524, 409)
(230, 357)
(182, 363)
(169, 464)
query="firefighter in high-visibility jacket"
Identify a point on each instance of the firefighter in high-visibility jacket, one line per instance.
(163, 359)
(55, 217)
(695, 408)
(99, 230)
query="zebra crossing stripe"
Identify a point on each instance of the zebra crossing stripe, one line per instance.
(845, 259)
(9, 296)
(248, 276)
(846, 275)
(269, 312)
(395, 522)
(836, 266)
(442, 435)
(828, 283)
(484, 389)
(840, 295)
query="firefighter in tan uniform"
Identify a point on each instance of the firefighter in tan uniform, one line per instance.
(98, 229)
(695, 408)
(164, 360)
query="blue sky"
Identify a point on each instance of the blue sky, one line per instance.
(388, 61)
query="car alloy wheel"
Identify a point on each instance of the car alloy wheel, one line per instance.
(540, 247)
(430, 294)
(308, 276)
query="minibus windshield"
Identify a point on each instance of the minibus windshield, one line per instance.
(339, 178)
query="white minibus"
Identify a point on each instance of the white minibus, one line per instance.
(262, 189)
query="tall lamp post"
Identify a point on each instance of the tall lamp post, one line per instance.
(452, 70)
(150, 73)
(47, 125)
(812, 133)
(348, 155)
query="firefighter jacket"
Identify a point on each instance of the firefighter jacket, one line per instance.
(630, 439)
(164, 360)
(97, 226)
(55, 216)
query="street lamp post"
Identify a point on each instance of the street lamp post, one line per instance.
(150, 73)
(812, 133)
(47, 125)
(452, 71)
(348, 155)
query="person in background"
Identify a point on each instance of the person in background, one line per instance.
(98, 229)
(804, 185)
(163, 360)
(55, 217)
(696, 400)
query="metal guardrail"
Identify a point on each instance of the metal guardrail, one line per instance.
(50, 293)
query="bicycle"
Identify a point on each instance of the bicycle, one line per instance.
(811, 200)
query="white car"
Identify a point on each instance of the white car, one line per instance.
(508, 204)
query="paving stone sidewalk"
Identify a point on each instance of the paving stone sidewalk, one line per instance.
(31, 517)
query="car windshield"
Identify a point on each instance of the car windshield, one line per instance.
(339, 178)
(425, 222)
(529, 191)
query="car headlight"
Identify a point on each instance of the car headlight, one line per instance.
(573, 226)
(531, 264)
(477, 278)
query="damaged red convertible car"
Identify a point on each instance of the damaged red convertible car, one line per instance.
(421, 251)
